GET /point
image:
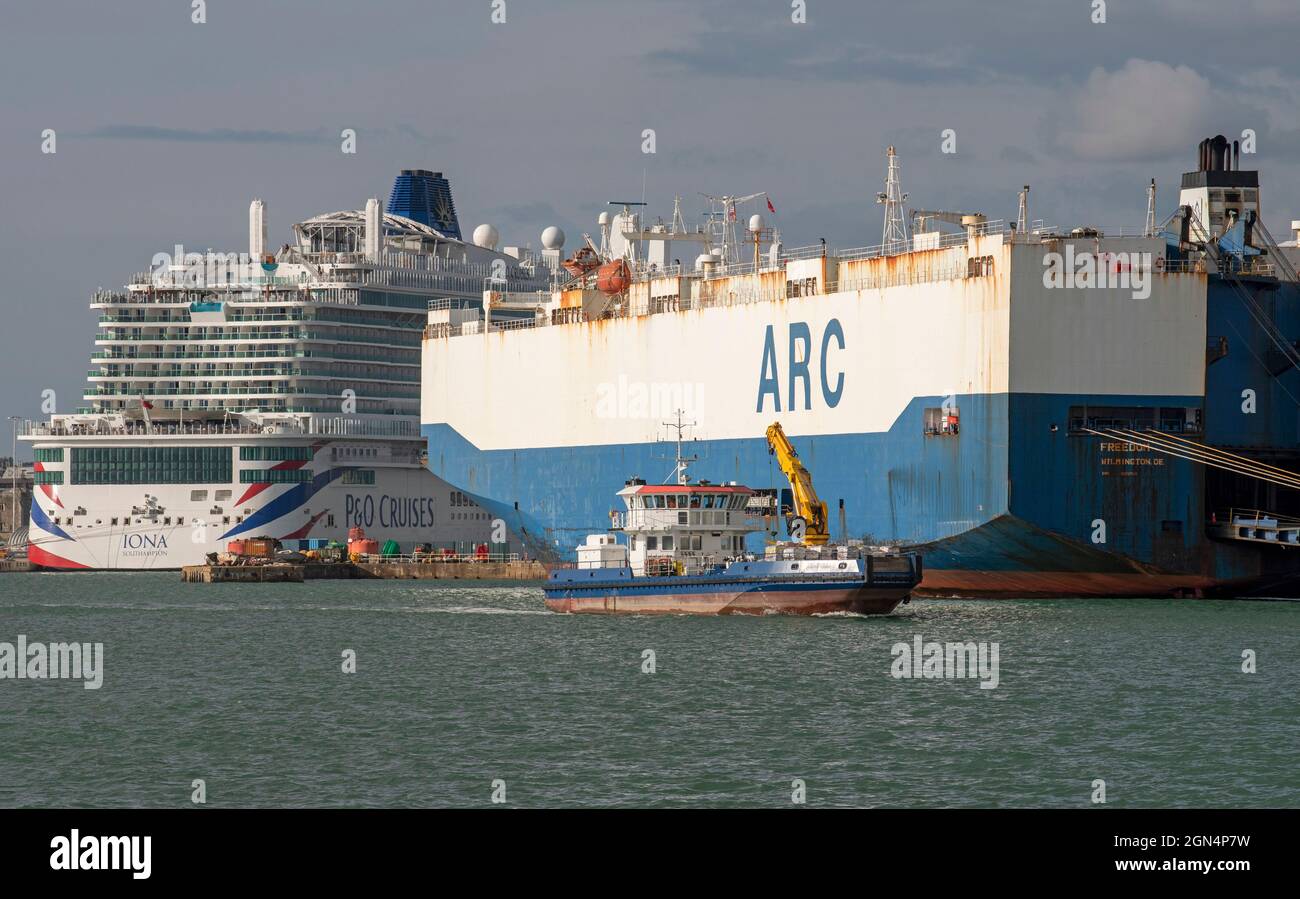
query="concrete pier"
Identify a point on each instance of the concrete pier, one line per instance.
(308, 571)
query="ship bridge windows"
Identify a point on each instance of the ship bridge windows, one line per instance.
(1168, 419)
(151, 465)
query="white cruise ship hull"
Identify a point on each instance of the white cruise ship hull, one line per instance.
(143, 526)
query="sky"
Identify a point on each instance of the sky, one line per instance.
(165, 128)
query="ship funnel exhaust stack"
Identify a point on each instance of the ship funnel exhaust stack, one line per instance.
(1219, 192)
(374, 230)
(257, 230)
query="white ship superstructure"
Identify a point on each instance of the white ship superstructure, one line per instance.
(268, 393)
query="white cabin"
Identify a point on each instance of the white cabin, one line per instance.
(683, 528)
(602, 551)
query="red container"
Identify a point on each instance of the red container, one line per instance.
(235, 547)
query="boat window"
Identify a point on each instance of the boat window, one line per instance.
(651, 542)
(843, 565)
(667, 542)
(695, 500)
(672, 502)
(631, 542)
(697, 542)
(794, 566)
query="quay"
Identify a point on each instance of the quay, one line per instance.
(284, 572)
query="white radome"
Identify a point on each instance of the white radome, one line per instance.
(755, 223)
(603, 219)
(553, 238)
(486, 236)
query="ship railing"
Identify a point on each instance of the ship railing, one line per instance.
(1259, 518)
(991, 228)
(812, 251)
(326, 426)
(513, 324)
(442, 304)
(648, 270)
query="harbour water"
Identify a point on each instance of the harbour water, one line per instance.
(458, 685)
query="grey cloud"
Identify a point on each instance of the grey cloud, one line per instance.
(210, 136)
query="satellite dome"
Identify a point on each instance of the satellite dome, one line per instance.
(486, 236)
(704, 259)
(552, 238)
(755, 223)
(603, 219)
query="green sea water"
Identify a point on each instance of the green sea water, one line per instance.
(459, 685)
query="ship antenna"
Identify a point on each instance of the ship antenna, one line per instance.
(895, 231)
(1150, 229)
(679, 469)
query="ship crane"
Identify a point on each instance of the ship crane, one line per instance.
(807, 506)
(722, 221)
(921, 217)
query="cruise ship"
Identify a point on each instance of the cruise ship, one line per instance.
(1039, 410)
(270, 393)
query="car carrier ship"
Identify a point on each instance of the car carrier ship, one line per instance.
(1039, 411)
(268, 394)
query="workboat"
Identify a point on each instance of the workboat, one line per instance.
(684, 553)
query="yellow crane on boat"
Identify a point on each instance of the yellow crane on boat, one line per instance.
(807, 506)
